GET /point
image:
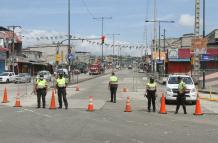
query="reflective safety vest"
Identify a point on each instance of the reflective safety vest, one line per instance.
(113, 80)
(61, 82)
(151, 86)
(181, 87)
(41, 84)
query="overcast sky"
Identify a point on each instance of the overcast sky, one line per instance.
(49, 17)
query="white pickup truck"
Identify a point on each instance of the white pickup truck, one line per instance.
(7, 77)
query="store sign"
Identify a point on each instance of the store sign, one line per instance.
(156, 55)
(173, 54)
(199, 46)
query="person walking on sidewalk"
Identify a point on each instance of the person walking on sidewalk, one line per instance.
(151, 89)
(41, 91)
(61, 86)
(181, 96)
(113, 85)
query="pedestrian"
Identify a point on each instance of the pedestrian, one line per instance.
(151, 89)
(61, 86)
(41, 91)
(113, 85)
(181, 96)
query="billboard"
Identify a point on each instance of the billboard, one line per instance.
(199, 46)
(173, 54)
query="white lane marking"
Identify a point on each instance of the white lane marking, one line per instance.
(37, 113)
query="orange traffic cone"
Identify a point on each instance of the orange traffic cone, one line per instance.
(128, 105)
(198, 108)
(90, 106)
(124, 89)
(5, 97)
(17, 102)
(77, 88)
(163, 106)
(53, 104)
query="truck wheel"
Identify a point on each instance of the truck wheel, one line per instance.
(7, 81)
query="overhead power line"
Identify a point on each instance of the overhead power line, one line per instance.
(87, 8)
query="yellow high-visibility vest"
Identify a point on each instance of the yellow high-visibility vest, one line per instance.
(61, 82)
(181, 87)
(113, 80)
(41, 83)
(151, 86)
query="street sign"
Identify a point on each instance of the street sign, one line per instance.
(159, 61)
(206, 57)
(70, 57)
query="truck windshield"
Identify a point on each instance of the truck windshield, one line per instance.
(174, 80)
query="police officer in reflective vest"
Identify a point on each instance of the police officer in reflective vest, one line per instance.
(61, 86)
(41, 90)
(151, 94)
(181, 95)
(113, 85)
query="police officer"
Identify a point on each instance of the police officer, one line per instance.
(113, 85)
(151, 94)
(61, 86)
(181, 95)
(41, 90)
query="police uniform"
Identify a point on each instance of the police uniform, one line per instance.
(61, 86)
(151, 95)
(41, 86)
(181, 97)
(113, 85)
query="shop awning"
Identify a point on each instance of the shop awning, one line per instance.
(3, 49)
(179, 60)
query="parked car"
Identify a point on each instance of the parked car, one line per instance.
(23, 78)
(140, 71)
(172, 88)
(46, 75)
(7, 77)
(130, 67)
(76, 71)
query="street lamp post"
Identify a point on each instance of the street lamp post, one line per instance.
(159, 22)
(69, 37)
(102, 34)
(203, 62)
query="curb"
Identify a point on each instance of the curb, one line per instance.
(208, 92)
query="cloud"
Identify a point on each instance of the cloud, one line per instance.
(187, 20)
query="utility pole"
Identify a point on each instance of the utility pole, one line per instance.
(204, 64)
(13, 44)
(159, 23)
(113, 35)
(155, 35)
(69, 37)
(197, 36)
(102, 34)
(164, 40)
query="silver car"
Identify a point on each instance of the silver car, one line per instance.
(46, 75)
(23, 78)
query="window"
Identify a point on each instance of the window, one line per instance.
(174, 80)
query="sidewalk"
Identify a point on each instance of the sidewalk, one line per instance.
(211, 83)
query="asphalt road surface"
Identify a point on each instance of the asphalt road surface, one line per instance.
(108, 123)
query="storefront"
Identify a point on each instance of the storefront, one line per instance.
(178, 61)
(3, 59)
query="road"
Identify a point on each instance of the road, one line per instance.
(108, 123)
